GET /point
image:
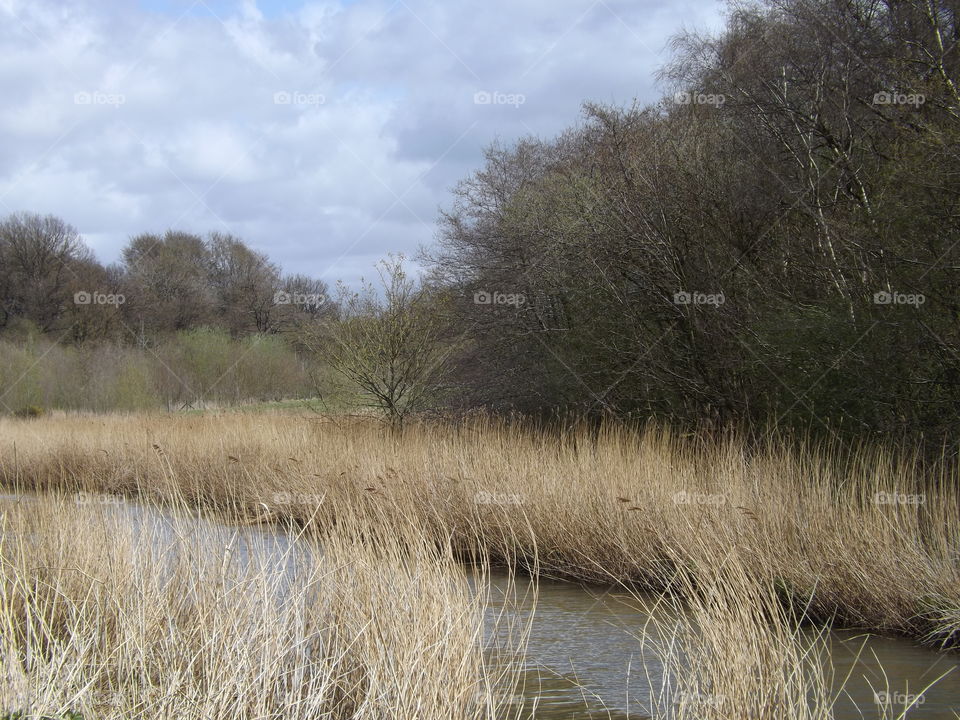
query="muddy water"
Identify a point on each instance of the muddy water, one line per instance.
(585, 658)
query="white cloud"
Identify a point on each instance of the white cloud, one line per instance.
(380, 122)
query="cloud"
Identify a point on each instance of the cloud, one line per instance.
(324, 133)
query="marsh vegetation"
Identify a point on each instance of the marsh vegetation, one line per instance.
(701, 354)
(751, 557)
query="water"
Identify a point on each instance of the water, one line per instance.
(585, 649)
(874, 661)
(585, 658)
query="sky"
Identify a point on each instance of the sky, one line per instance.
(324, 134)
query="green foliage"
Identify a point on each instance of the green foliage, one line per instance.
(206, 365)
(20, 376)
(30, 411)
(388, 343)
(195, 368)
(199, 359)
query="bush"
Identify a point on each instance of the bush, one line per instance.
(30, 411)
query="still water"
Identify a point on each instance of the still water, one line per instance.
(585, 658)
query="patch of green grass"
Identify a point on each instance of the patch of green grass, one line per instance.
(291, 405)
(282, 405)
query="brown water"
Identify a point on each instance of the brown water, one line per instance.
(585, 658)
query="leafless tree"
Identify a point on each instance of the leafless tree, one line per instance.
(387, 342)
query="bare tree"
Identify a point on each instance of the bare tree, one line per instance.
(388, 343)
(37, 253)
(245, 284)
(168, 281)
(301, 302)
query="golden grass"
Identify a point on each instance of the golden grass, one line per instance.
(118, 614)
(735, 650)
(732, 648)
(752, 545)
(614, 507)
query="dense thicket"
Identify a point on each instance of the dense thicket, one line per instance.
(190, 369)
(778, 241)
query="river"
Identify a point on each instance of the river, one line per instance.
(584, 655)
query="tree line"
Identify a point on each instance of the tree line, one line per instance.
(774, 242)
(51, 283)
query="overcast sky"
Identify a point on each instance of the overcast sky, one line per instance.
(323, 133)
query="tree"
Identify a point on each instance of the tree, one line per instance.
(300, 303)
(168, 287)
(36, 257)
(388, 344)
(98, 296)
(804, 165)
(244, 284)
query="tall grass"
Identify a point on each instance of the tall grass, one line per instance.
(869, 545)
(735, 650)
(746, 547)
(114, 614)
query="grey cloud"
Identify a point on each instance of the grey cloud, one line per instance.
(297, 130)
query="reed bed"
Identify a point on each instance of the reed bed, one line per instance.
(870, 545)
(732, 648)
(735, 650)
(111, 611)
(752, 545)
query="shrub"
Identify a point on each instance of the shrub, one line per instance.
(29, 411)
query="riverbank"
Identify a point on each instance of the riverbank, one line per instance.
(868, 547)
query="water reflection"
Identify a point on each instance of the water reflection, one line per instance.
(893, 673)
(584, 657)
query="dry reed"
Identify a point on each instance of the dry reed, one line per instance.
(752, 544)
